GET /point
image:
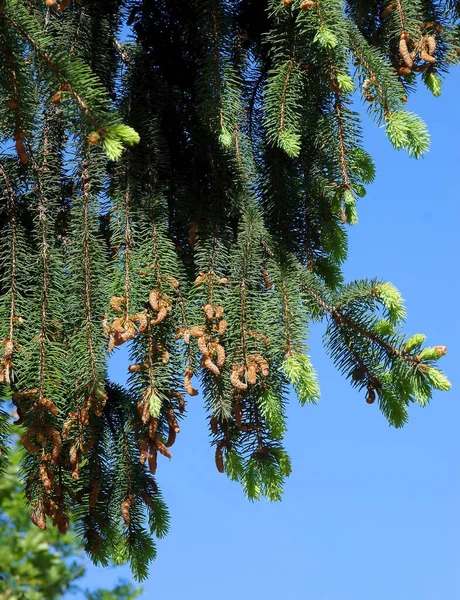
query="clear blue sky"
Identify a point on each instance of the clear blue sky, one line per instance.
(369, 513)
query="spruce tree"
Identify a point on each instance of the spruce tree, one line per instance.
(179, 176)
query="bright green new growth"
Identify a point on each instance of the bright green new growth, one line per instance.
(116, 137)
(189, 194)
(407, 131)
(301, 375)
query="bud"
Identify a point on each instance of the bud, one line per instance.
(93, 138)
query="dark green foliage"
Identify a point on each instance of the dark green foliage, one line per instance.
(188, 192)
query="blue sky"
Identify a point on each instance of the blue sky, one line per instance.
(369, 512)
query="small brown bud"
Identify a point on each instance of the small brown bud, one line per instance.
(307, 4)
(440, 350)
(62, 5)
(11, 104)
(93, 138)
(388, 10)
(56, 97)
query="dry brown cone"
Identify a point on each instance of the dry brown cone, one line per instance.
(218, 312)
(252, 373)
(74, 460)
(173, 281)
(45, 404)
(220, 353)
(219, 456)
(201, 278)
(191, 391)
(152, 461)
(286, 2)
(143, 450)
(203, 346)
(425, 55)
(208, 310)
(405, 54)
(117, 302)
(161, 447)
(404, 71)
(141, 319)
(57, 97)
(63, 523)
(153, 426)
(262, 362)
(221, 327)
(179, 397)
(165, 357)
(135, 368)
(207, 363)
(237, 372)
(171, 437)
(432, 25)
(307, 4)
(46, 478)
(214, 423)
(161, 316)
(197, 331)
(154, 299)
(125, 510)
(430, 41)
